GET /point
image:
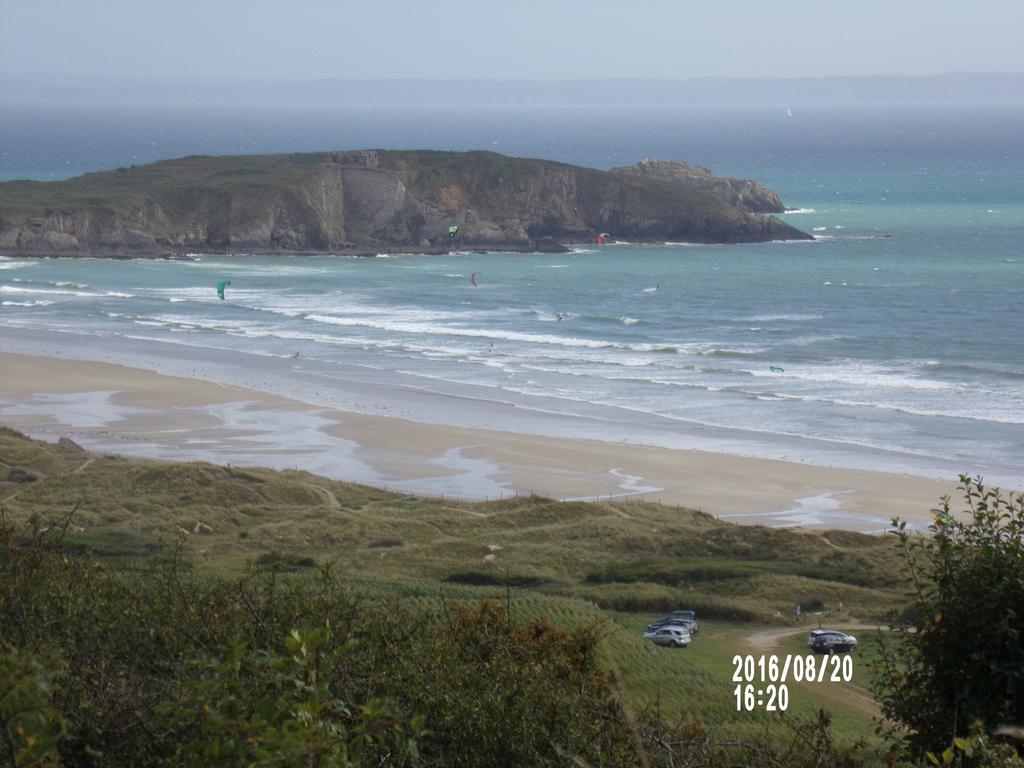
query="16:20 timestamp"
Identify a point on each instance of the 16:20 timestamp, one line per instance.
(773, 698)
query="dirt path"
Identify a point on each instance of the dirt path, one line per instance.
(845, 695)
(84, 466)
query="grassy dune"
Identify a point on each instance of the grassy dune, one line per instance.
(574, 562)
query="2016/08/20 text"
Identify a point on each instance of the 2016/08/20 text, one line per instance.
(777, 672)
(809, 669)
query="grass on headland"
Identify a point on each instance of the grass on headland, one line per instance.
(618, 555)
(572, 562)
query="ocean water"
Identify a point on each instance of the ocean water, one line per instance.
(896, 336)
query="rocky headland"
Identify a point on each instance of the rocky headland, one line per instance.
(372, 200)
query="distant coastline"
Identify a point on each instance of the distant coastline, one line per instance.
(940, 88)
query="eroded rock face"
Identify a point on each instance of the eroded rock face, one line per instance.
(370, 199)
(67, 444)
(746, 194)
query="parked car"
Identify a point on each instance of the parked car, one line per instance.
(687, 618)
(816, 633)
(672, 637)
(689, 615)
(690, 625)
(830, 641)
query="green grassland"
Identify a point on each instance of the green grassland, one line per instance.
(177, 184)
(619, 562)
(200, 181)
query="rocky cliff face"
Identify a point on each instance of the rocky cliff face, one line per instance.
(376, 199)
(746, 194)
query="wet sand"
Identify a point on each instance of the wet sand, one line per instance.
(115, 408)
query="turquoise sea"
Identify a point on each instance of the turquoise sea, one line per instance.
(898, 332)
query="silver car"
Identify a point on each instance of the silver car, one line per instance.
(673, 637)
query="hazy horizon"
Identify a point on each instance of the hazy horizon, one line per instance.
(283, 80)
(530, 40)
(948, 88)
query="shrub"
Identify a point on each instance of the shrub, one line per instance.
(384, 543)
(284, 562)
(959, 657)
(492, 579)
(812, 604)
(158, 665)
(29, 725)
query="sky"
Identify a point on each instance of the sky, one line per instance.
(508, 39)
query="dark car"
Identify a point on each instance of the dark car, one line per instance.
(690, 626)
(831, 641)
(687, 619)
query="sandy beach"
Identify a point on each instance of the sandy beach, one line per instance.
(127, 410)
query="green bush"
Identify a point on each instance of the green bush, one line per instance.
(281, 562)
(29, 725)
(492, 578)
(958, 657)
(157, 665)
(269, 708)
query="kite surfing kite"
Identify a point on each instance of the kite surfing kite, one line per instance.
(472, 279)
(453, 230)
(220, 288)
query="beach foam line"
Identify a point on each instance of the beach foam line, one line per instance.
(244, 329)
(989, 416)
(837, 372)
(482, 333)
(778, 317)
(972, 369)
(42, 291)
(242, 269)
(59, 292)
